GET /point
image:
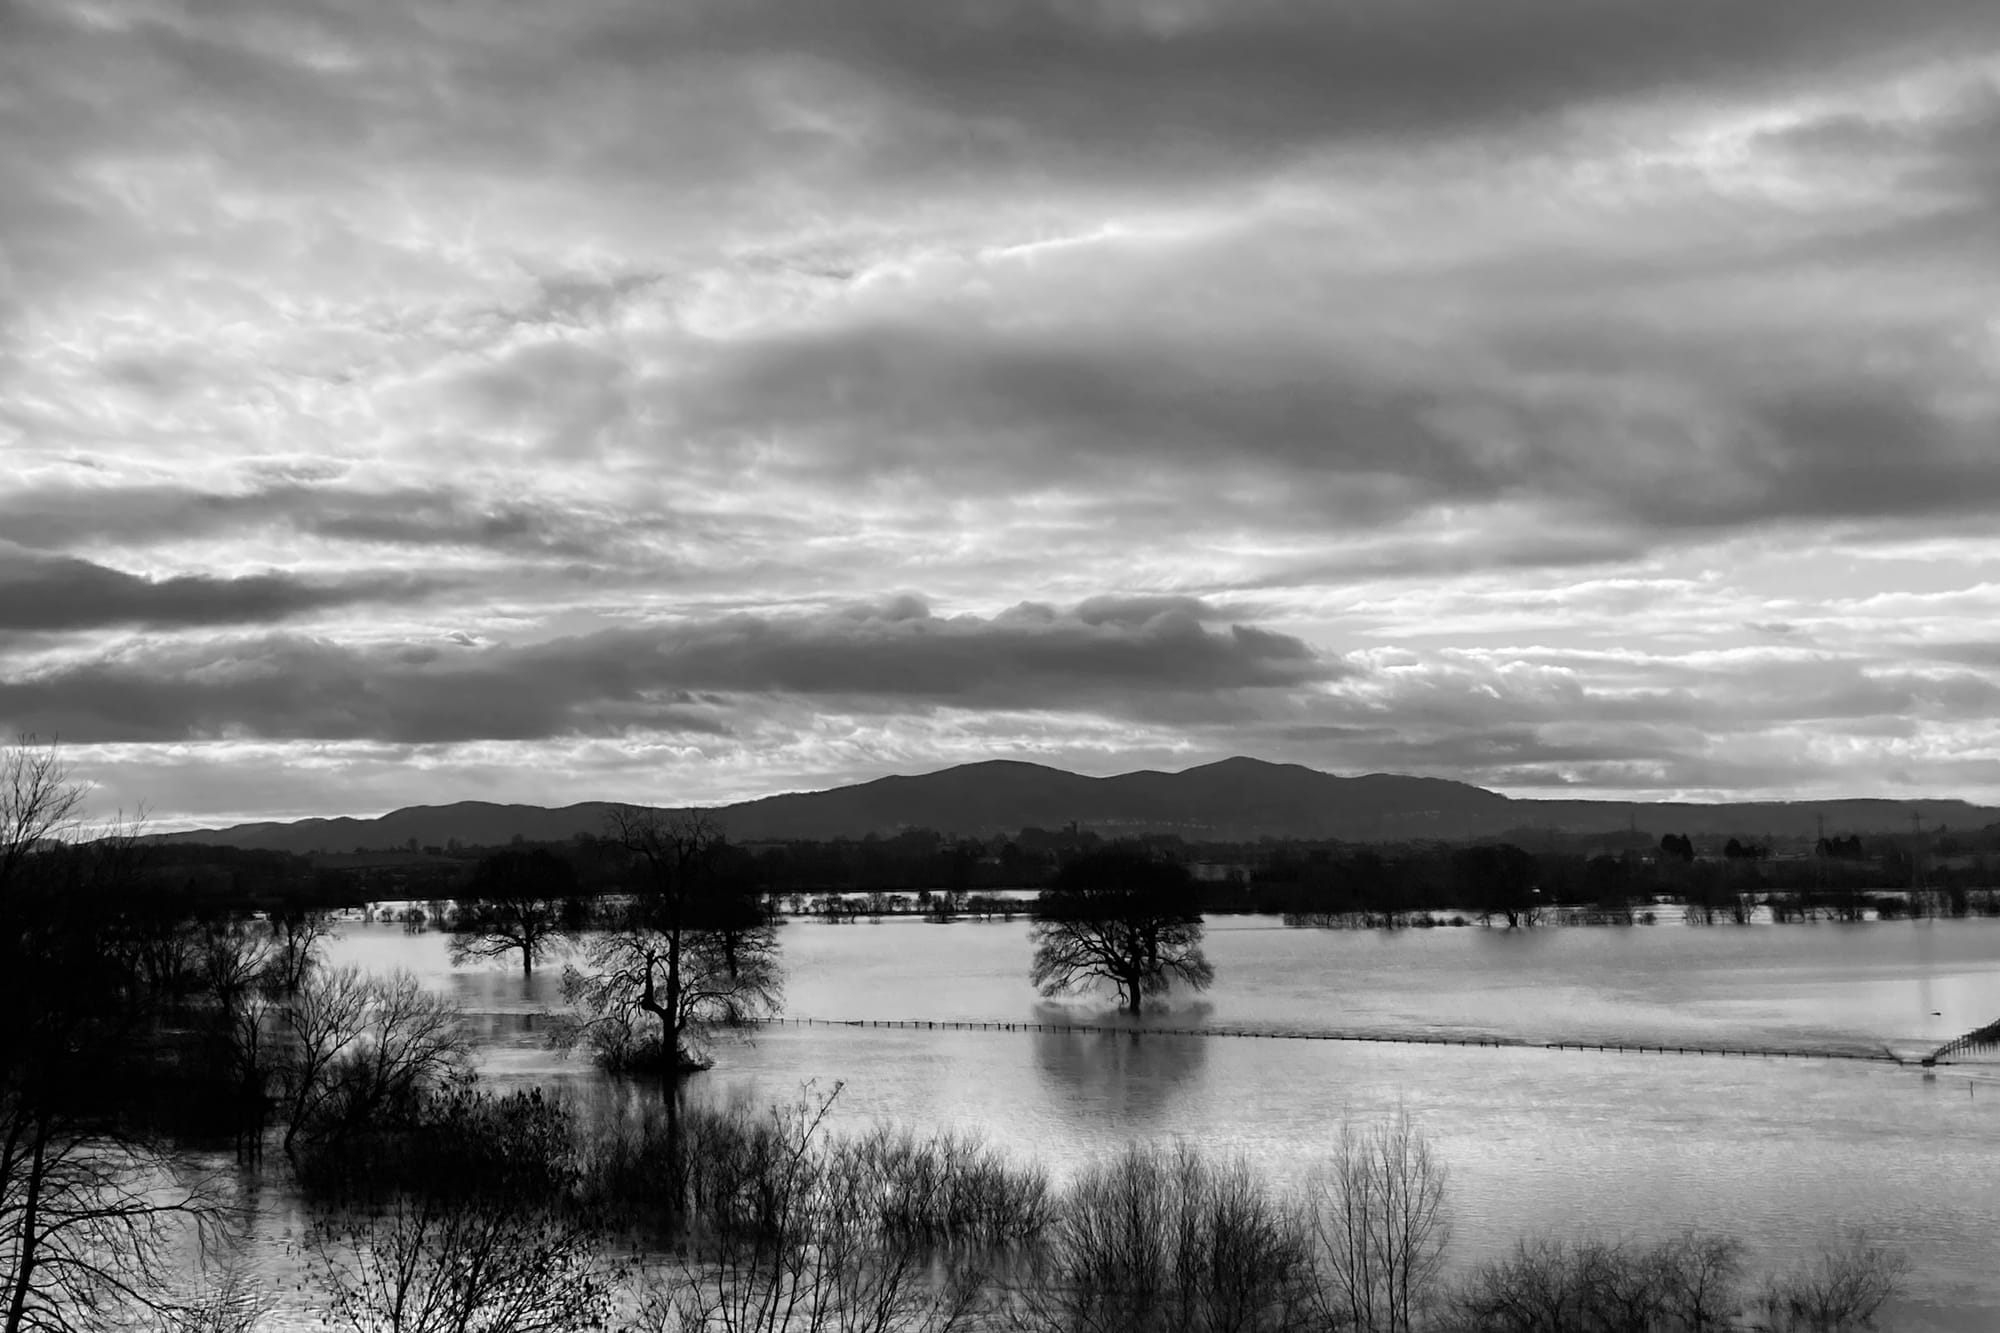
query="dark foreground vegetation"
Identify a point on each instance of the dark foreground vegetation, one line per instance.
(508, 1213)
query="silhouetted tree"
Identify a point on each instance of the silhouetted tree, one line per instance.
(468, 1222)
(517, 900)
(681, 955)
(1124, 916)
(360, 1048)
(89, 1203)
(1498, 879)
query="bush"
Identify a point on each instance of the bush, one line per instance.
(1378, 1224)
(1686, 1285)
(458, 1140)
(1158, 1240)
(467, 1218)
(1842, 1289)
(362, 1052)
(790, 1238)
(946, 1189)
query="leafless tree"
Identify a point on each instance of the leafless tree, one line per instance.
(88, 1207)
(1841, 1289)
(426, 1263)
(681, 958)
(1685, 1285)
(1702, 1273)
(518, 902)
(794, 1248)
(1124, 916)
(356, 1047)
(479, 1231)
(89, 1224)
(41, 803)
(1379, 1228)
(1168, 1241)
(295, 935)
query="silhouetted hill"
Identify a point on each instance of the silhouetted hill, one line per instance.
(1236, 799)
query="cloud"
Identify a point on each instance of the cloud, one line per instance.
(1164, 88)
(54, 515)
(1521, 369)
(1116, 655)
(45, 592)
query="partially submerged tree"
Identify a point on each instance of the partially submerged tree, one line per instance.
(1499, 880)
(1123, 916)
(518, 901)
(680, 958)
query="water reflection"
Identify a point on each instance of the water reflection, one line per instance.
(1127, 1072)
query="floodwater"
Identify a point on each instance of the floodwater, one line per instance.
(1784, 1153)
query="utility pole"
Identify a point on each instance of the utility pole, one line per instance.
(1917, 863)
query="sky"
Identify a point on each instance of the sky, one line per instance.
(407, 401)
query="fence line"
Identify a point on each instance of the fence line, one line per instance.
(1273, 1034)
(1978, 1041)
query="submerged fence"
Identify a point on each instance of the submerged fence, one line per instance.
(1883, 1056)
(1980, 1041)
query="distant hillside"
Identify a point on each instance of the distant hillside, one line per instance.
(1236, 799)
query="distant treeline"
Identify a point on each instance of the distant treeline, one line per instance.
(1844, 876)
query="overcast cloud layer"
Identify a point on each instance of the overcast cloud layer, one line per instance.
(680, 402)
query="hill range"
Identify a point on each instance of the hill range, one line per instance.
(1234, 800)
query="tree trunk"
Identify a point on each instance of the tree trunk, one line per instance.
(670, 1042)
(28, 1244)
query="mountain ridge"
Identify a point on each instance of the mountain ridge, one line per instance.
(1235, 799)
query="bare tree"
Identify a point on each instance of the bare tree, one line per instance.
(796, 1245)
(41, 803)
(1157, 1240)
(518, 901)
(1702, 1273)
(89, 1223)
(1841, 1289)
(1124, 916)
(424, 1264)
(1379, 1228)
(480, 1231)
(1685, 1285)
(680, 956)
(357, 1048)
(295, 935)
(88, 1206)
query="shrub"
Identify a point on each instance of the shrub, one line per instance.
(945, 1189)
(1158, 1240)
(1378, 1225)
(1686, 1285)
(465, 1217)
(1841, 1289)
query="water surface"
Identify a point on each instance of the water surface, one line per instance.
(1783, 1153)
